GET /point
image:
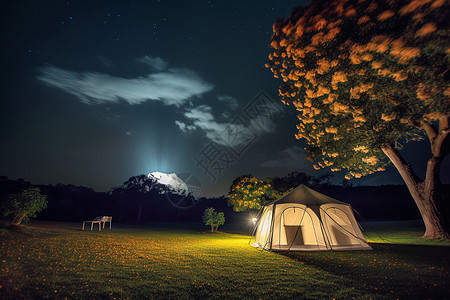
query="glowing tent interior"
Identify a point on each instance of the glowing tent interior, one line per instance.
(306, 220)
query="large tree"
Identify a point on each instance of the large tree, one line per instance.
(367, 77)
(140, 189)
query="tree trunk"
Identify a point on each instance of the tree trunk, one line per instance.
(212, 227)
(426, 194)
(18, 219)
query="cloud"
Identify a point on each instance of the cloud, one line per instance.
(293, 157)
(184, 127)
(156, 63)
(230, 101)
(170, 86)
(236, 133)
(203, 119)
(262, 125)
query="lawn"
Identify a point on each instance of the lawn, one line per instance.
(58, 260)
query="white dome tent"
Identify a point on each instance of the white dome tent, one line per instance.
(306, 220)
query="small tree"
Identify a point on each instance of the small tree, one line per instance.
(23, 205)
(213, 218)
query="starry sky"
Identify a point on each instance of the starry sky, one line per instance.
(94, 92)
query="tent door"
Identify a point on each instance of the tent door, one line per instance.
(292, 231)
(294, 235)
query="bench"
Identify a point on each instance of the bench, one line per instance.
(100, 221)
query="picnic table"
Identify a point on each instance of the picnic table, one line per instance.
(100, 221)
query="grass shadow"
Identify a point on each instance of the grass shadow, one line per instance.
(400, 270)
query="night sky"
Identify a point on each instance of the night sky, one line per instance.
(94, 92)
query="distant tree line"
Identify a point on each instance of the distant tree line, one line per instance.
(135, 201)
(72, 203)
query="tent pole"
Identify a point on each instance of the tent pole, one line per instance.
(322, 227)
(343, 227)
(324, 233)
(271, 225)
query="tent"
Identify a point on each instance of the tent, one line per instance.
(306, 220)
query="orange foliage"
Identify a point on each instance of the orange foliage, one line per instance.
(317, 39)
(363, 19)
(426, 29)
(367, 57)
(413, 5)
(274, 44)
(376, 64)
(350, 13)
(338, 77)
(330, 98)
(385, 15)
(388, 118)
(354, 58)
(438, 3)
(372, 7)
(320, 24)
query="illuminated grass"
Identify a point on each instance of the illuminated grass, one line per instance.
(58, 260)
(403, 232)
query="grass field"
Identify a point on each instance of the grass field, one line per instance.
(58, 260)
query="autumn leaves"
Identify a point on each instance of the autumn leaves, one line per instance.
(361, 74)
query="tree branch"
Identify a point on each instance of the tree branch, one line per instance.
(444, 123)
(405, 170)
(438, 139)
(442, 141)
(430, 131)
(439, 148)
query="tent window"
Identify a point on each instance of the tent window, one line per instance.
(339, 227)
